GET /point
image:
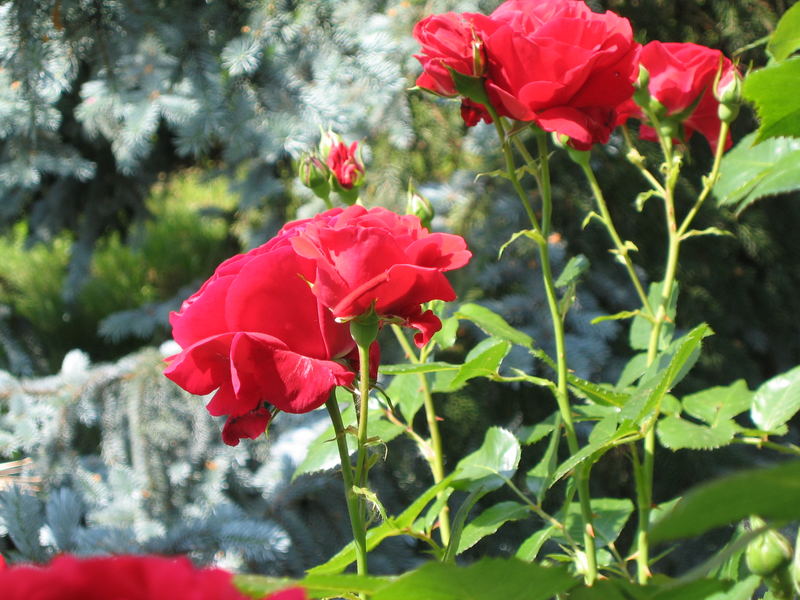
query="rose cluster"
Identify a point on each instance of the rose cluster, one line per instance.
(268, 331)
(123, 578)
(566, 69)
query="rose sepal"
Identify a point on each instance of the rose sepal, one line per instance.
(470, 87)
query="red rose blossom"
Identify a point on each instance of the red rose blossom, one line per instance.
(377, 259)
(450, 41)
(561, 66)
(123, 578)
(681, 78)
(256, 333)
(343, 161)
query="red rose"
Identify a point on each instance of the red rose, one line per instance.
(343, 161)
(123, 578)
(561, 66)
(681, 79)
(450, 41)
(257, 334)
(377, 259)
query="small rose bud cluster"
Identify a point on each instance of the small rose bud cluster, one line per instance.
(334, 166)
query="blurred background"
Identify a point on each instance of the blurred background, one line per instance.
(141, 143)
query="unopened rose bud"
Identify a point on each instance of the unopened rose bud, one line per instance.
(729, 93)
(315, 175)
(419, 206)
(328, 139)
(768, 553)
(641, 94)
(348, 170)
(794, 568)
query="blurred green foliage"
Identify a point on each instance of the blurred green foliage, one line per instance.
(187, 235)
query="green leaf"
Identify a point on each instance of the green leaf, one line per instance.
(598, 393)
(409, 368)
(259, 586)
(776, 400)
(534, 433)
(391, 527)
(322, 454)
(573, 270)
(750, 172)
(491, 464)
(405, 393)
(639, 337)
(720, 403)
(529, 549)
(772, 493)
(778, 111)
(662, 588)
(487, 579)
(632, 371)
(528, 233)
(676, 433)
(540, 477)
(460, 518)
(715, 231)
(446, 336)
(490, 521)
(597, 446)
(482, 361)
(646, 401)
(609, 516)
(742, 590)
(625, 314)
(785, 40)
(493, 324)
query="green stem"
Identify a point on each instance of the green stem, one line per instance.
(674, 236)
(710, 180)
(352, 499)
(512, 170)
(562, 395)
(435, 456)
(363, 416)
(622, 250)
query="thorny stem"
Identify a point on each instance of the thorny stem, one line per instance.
(622, 249)
(363, 418)
(644, 471)
(562, 395)
(432, 453)
(353, 500)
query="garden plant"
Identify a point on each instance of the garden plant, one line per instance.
(305, 322)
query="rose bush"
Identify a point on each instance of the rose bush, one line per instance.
(681, 79)
(257, 334)
(123, 578)
(376, 259)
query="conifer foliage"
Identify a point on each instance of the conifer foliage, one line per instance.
(97, 98)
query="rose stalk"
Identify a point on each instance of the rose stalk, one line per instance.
(561, 68)
(679, 93)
